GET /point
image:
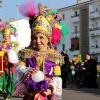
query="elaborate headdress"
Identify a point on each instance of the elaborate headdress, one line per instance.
(7, 29)
(45, 19)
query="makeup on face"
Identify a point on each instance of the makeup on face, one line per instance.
(6, 38)
(40, 41)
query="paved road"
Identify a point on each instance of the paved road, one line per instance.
(77, 94)
(81, 94)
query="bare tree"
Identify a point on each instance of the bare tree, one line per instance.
(0, 19)
(0, 2)
(0, 7)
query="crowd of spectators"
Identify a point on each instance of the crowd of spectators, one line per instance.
(83, 72)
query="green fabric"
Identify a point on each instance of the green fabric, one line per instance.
(48, 98)
(7, 84)
(57, 75)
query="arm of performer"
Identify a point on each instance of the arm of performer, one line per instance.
(52, 87)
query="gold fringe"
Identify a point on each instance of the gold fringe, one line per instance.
(54, 57)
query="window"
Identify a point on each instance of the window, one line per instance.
(75, 29)
(75, 43)
(77, 46)
(63, 15)
(76, 14)
(96, 42)
(96, 24)
(72, 46)
(96, 9)
(63, 46)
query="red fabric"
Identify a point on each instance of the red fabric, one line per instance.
(12, 68)
(1, 63)
(6, 69)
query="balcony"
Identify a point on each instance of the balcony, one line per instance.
(75, 19)
(74, 52)
(94, 15)
(95, 32)
(74, 35)
(95, 50)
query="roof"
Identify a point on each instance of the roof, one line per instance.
(87, 2)
(19, 20)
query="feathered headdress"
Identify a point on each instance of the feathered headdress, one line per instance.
(45, 19)
(7, 29)
(2, 26)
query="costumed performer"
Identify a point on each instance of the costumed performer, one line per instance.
(43, 81)
(8, 48)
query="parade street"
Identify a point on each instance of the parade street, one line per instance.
(76, 94)
(81, 94)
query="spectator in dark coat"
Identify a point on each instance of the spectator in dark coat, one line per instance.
(91, 72)
(64, 69)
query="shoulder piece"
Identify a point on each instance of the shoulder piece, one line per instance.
(22, 63)
(25, 53)
(14, 43)
(52, 55)
(55, 56)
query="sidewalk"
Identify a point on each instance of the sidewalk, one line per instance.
(75, 84)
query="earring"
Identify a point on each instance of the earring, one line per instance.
(34, 46)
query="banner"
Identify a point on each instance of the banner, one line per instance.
(1, 61)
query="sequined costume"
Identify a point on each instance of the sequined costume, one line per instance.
(7, 74)
(46, 22)
(50, 65)
(7, 78)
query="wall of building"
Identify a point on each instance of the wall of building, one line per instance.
(94, 23)
(67, 21)
(23, 32)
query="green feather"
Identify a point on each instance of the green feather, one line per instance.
(14, 29)
(64, 31)
(52, 12)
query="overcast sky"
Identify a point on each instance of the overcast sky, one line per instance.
(9, 9)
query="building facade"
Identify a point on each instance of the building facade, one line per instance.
(83, 21)
(23, 33)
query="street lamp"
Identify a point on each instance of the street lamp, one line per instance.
(17, 22)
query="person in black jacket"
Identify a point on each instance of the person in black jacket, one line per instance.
(91, 72)
(64, 69)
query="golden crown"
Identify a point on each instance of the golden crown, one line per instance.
(42, 24)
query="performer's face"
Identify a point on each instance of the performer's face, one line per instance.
(40, 41)
(6, 38)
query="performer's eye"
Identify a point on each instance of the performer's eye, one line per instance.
(35, 38)
(41, 37)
